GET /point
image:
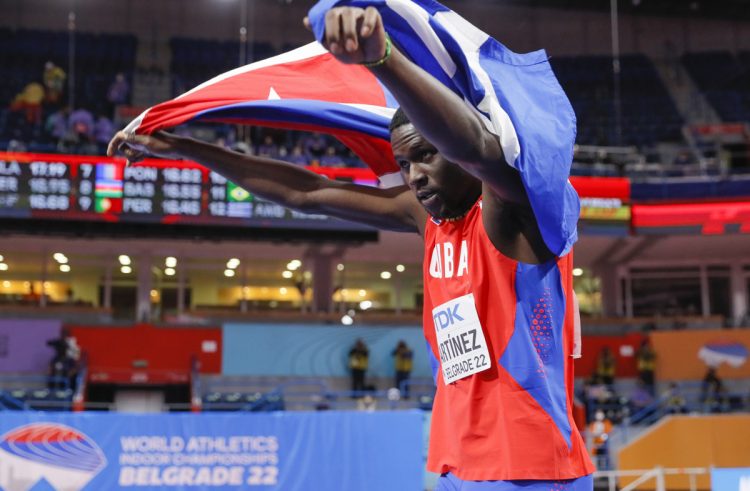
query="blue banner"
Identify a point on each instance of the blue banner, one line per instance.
(730, 479)
(326, 451)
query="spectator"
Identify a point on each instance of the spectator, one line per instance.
(599, 429)
(81, 129)
(712, 391)
(16, 146)
(29, 101)
(242, 147)
(403, 358)
(268, 148)
(674, 400)
(104, 130)
(331, 159)
(54, 83)
(606, 366)
(646, 364)
(57, 124)
(297, 156)
(367, 403)
(358, 361)
(315, 146)
(597, 396)
(64, 364)
(117, 93)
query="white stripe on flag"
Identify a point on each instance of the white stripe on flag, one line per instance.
(385, 112)
(471, 39)
(419, 20)
(133, 125)
(391, 180)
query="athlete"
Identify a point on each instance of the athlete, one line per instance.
(498, 304)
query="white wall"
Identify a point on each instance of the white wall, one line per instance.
(561, 32)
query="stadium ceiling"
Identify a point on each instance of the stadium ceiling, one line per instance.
(727, 9)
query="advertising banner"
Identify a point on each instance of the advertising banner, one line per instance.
(269, 451)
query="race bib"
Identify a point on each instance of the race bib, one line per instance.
(461, 344)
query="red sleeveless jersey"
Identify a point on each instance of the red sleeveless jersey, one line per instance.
(508, 416)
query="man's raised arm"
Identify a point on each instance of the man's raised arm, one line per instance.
(283, 183)
(355, 35)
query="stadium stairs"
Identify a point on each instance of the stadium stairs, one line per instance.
(690, 102)
(631, 423)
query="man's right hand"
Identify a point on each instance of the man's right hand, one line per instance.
(137, 147)
(354, 35)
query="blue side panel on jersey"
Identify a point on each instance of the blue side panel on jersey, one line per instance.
(434, 363)
(534, 356)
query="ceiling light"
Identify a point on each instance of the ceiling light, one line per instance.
(126, 270)
(169, 271)
(287, 274)
(233, 263)
(60, 257)
(577, 272)
(400, 268)
(3, 267)
(296, 263)
(347, 320)
(340, 267)
(2, 258)
(65, 268)
(386, 275)
(124, 260)
(365, 304)
(154, 293)
(283, 290)
(362, 293)
(228, 273)
(170, 262)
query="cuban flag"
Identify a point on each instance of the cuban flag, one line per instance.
(304, 89)
(517, 96)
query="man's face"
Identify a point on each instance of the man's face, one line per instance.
(443, 188)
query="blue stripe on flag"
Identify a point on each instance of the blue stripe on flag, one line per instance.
(302, 111)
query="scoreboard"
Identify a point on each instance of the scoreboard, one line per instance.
(100, 196)
(101, 189)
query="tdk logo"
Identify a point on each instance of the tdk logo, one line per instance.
(447, 317)
(67, 459)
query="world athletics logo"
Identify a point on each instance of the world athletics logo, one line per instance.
(59, 454)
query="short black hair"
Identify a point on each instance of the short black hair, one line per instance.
(399, 119)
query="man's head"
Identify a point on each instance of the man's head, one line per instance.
(443, 188)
